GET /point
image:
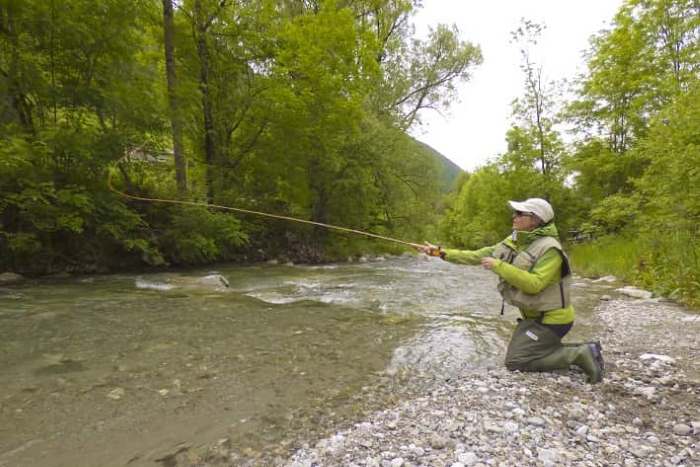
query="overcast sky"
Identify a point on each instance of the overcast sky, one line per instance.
(473, 130)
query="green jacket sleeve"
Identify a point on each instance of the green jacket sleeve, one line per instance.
(468, 256)
(546, 271)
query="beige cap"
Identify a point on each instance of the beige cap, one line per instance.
(536, 206)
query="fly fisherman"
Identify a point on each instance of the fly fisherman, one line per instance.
(534, 275)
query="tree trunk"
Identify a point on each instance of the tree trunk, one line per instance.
(207, 111)
(175, 118)
(16, 97)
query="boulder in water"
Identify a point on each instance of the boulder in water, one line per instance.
(214, 279)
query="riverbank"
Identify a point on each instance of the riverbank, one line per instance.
(646, 412)
(665, 264)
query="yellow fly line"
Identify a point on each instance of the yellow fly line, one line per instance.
(255, 213)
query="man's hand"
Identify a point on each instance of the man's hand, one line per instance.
(489, 262)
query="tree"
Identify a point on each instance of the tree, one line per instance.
(536, 110)
(175, 111)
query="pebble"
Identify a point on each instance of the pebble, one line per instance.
(535, 421)
(548, 456)
(468, 458)
(696, 427)
(657, 357)
(437, 442)
(643, 451)
(510, 427)
(649, 391)
(681, 429)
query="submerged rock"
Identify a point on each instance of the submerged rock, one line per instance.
(214, 280)
(116, 394)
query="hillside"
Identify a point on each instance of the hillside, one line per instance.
(450, 171)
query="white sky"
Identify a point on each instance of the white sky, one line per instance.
(473, 130)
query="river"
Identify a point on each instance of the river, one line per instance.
(129, 369)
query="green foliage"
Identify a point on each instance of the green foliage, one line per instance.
(671, 265)
(612, 215)
(479, 215)
(641, 181)
(670, 186)
(285, 107)
(196, 235)
(616, 255)
(666, 262)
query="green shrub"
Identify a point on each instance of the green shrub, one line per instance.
(196, 235)
(667, 263)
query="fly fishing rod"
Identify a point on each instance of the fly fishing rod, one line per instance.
(255, 213)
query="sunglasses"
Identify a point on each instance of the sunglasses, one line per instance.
(522, 214)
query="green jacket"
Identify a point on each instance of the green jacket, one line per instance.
(546, 271)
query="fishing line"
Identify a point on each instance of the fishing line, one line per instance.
(255, 213)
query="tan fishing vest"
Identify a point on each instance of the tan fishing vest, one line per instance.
(554, 296)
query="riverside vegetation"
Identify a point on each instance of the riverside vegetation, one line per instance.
(302, 109)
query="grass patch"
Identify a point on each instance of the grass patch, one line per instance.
(612, 255)
(668, 264)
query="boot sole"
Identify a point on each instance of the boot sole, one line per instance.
(597, 351)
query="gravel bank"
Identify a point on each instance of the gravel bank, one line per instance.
(645, 413)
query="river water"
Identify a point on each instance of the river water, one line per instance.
(130, 369)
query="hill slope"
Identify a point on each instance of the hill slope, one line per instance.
(450, 171)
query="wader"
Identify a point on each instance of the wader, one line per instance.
(534, 347)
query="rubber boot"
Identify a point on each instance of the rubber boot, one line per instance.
(586, 356)
(590, 359)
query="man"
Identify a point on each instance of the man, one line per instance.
(534, 275)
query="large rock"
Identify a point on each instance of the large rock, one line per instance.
(606, 279)
(634, 292)
(216, 280)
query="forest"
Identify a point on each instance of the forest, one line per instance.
(303, 108)
(298, 108)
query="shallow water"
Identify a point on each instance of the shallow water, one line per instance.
(128, 369)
